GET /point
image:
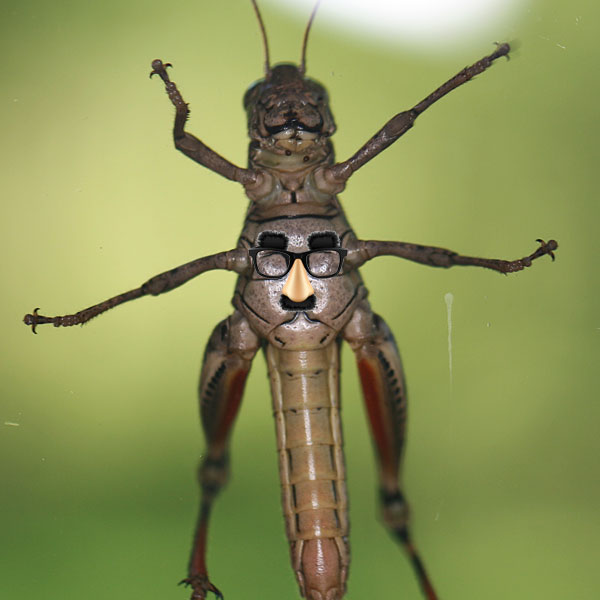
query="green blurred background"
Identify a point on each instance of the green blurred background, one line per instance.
(99, 429)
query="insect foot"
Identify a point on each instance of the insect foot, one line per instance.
(200, 586)
(34, 319)
(159, 68)
(545, 248)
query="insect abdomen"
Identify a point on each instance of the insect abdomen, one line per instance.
(311, 465)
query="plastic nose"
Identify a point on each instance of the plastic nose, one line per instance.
(297, 287)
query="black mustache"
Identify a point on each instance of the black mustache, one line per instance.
(307, 304)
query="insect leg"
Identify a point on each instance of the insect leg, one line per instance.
(363, 250)
(227, 360)
(384, 392)
(398, 125)
(233, 260)
(192, 146)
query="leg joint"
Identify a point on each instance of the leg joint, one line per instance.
(213, 473)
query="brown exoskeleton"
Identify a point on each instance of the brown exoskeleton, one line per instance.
(298, 295)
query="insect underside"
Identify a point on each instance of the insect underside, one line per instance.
(299, 294)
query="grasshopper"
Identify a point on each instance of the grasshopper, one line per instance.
(299, 294)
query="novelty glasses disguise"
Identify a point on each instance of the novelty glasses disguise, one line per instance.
(274, 264)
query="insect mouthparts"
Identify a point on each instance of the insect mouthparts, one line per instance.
(293, 125)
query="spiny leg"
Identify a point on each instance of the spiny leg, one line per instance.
(226, 363)
(233, 260)
(190, 145)
(398, 125)
(384, 392)
(360, 251)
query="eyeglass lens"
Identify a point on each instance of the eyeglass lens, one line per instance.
(319, 263)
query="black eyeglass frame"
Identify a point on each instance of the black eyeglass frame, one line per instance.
(292, 256)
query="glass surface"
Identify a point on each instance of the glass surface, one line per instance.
(100, 437)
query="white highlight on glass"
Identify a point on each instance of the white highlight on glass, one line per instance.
(424, 23)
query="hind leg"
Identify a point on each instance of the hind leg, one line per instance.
(384, 392)
(227, 360)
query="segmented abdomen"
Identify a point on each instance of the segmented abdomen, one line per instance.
(304, 385)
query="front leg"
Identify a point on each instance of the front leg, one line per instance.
(333, 178)
(361, 251)
(192, 146)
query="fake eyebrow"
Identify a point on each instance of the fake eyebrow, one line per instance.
(272, 239)
(326, 239)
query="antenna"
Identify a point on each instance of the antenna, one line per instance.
(264, 37)
(305, 40)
